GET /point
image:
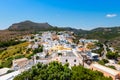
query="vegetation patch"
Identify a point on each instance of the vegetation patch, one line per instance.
(57, 71)
(12, 52)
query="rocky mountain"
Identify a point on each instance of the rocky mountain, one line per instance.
(29, 25)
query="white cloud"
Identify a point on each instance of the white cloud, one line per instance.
(111, 15)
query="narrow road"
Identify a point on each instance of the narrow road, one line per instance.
(105, 51)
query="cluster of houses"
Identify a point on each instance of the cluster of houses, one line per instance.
(59, 46)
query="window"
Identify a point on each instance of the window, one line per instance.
(66, 60)
(74, 60)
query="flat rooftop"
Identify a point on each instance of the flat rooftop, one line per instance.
(4, 70)
(106, 69)
(10, 76)
(69, 54)
(22, 59)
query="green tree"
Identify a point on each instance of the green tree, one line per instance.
(111, 55)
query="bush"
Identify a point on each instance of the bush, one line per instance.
(7, 63)
(29, 56)
(9, 71)
(37, 57)
(103, 61)
(37, 50)
(18, 56)
(113, 67)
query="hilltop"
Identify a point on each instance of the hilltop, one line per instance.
(29, 25)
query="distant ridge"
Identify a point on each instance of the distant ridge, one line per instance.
(100, 33)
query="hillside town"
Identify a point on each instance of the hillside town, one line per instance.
(60, 46)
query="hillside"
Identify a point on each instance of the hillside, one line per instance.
(13, 52)
(6, 35)
(110, 34)
(106, 33)
(102, 33)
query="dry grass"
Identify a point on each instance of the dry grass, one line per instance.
(6, 35)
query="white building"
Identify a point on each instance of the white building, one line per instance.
(10, 76)
(88, 40)
(4, 71)
(70, 58)
(93, 56)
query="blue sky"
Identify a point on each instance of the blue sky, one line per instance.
(81, 14)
